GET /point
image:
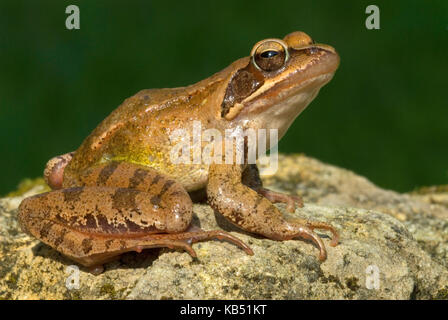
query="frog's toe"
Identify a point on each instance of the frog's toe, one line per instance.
(202, 235)
(322, 225)
(184, 245)
(291, 201)
(311, 225)
(308, 234)
(305, 230)
(184, 240)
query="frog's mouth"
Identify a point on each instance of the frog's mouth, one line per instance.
(296, 89)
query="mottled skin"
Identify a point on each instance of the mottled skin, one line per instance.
(121, 192)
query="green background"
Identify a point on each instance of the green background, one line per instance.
(384, 115)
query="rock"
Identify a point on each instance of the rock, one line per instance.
(424, 215)
(393, 246)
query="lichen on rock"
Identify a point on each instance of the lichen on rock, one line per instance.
(393, 246)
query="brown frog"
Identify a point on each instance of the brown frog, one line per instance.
(120, 191)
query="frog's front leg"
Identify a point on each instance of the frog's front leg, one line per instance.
(251, 178)
(253, 212)
(115, 208)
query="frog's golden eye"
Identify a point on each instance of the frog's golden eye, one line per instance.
(270, 55)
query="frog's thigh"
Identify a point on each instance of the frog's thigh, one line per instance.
(167, 198)
(124, 175)
(91, 223)
(140, 193)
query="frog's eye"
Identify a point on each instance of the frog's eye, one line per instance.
(269, 55)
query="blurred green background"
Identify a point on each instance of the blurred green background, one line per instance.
(384, 115)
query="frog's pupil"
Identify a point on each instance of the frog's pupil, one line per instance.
(269, 54)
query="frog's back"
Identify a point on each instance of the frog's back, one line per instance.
(116, 133)
(138, 130)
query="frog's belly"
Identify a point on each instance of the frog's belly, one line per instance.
(191, 176)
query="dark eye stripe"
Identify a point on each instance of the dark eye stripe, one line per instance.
(269, 54)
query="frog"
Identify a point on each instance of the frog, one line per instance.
(120, 191)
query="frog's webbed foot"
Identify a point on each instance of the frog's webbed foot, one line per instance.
(184, 240)
(95, 265)
(291, 201)
(181, 241)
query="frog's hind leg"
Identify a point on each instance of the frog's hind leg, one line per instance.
(120, 207)
(93, 225)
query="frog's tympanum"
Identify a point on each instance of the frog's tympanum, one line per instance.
(121, 192)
